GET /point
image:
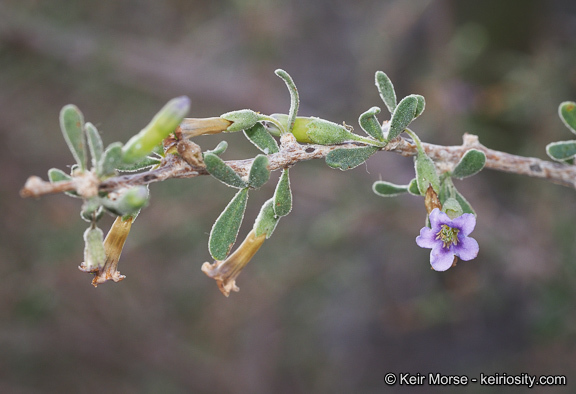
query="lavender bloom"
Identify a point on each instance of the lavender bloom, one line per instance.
(448, 238)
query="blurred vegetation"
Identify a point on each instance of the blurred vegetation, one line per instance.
(341, 294)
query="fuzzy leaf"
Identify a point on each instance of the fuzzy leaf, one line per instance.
(110, 160)
(267, 220)
(72, 125)
(387, 189)
(562, 150)
(420, 106)
(94, 143)
(402, 116)
(471, 163)
(221, 171)
(262, 139)
(386, 90)
(466, 207)
(567, 112)
(241, 120)
(283, 195)
(259, 172)
(426, 174)
(346, 159)
(225, 229)
(370, 124)
(413, 188)
(145, 163)
(220, 148)
(294, 97)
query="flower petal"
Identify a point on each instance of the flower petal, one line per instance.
(467, 248)
(438, 218)
(427, 238)
(465, 223)
(441, 258)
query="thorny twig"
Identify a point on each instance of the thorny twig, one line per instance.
(291, 152)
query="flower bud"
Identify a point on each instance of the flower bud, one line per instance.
(94, 253)
(128, 202)
(164, 123)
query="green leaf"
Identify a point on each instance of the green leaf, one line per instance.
(346, 159)
(225, 229)
(386, 90)
(267, 220)
(294, 97)
(402, 116)
(370, 124)
(241, 120)
(110, 160)
(567, 112)
(470, 164)
(72, 125)
(452, 208)
(163, 123)
(413, 187)
(448, 191)
(129, 202)
(94, 143)
(562, 150)
(145, 163)
(283, 195)
(221, 171)
(56, 175)
(259, 172)
(220, 148)
(387, 189)
(426, 174)
(420, 106)
(262, 139)
(466, 207)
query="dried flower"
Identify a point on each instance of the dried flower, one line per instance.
(225, 272)
(448, 238)
(113, 244)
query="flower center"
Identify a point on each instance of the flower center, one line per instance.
(448, 235)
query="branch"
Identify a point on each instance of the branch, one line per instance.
(291, 152)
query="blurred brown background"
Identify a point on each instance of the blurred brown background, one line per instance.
(340, 294)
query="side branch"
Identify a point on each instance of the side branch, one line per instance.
(291, 152)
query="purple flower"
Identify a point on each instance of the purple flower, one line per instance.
(448, 238)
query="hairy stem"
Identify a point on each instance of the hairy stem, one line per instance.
(445, 157)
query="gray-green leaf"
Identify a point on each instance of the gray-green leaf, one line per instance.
(387, 189)
(220, 148)
(258, 135)
(346, 159)
(413, 187)
(470, 164)
(225, 229)
(562, 150)
(110, 160)
(370, 124)
(403, 116)
(567, 112)
(386, 90)
(94, 143)
(72, 125)
(420, 106)
(267, 219)
(283, 195)
(259, 172)
(426, 174)
(223, 172)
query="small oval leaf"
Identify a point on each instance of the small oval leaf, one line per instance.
(94, 143)
(387, 189)
(426, 174)
(221, 171)
(346, 159)
(220, 148)
(386, 90)
(72, 125)
(413, 188)
(471, 163)
(567, 112)
(259, 172)
(225, 229)
(283, 195)
(562, 150)
(402, 116)
(370, 124)
(262, 139)
(111, 159)
(420, 106)
(267, 219)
